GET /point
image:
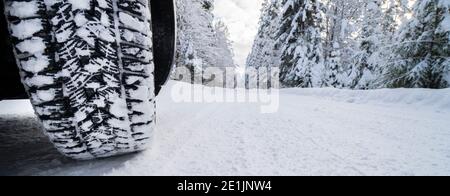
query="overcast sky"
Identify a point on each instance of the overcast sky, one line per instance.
(241, 17)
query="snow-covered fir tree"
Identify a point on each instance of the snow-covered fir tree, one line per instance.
(202, 40)
(333, 69)
(422, 56)
(394, 14)
(302, 59)
(364, 70)
(338, 43)
(264, 54)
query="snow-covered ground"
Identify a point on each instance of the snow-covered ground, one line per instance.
(315, 132)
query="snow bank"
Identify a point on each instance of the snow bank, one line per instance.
(16, 108)
(419, 98)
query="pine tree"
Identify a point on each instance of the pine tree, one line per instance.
(264, 54)
(190, 60)
(341, 21)
(285, 30)
(202, 41)
(263, 47)
(365, 69)
(333, 67)
(302, 54)
(394, 13)
(422, 57)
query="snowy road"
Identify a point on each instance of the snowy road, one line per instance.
(315, 132)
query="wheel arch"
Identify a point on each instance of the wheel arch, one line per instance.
(164, 27)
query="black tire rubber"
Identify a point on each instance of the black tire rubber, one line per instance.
(87, 66)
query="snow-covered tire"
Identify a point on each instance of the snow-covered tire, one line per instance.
(87, 66)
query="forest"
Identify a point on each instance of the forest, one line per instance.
(355, 44)
(202, 42)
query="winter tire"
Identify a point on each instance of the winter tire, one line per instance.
(87, 66)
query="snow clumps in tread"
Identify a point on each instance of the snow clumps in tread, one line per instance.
(88, 68)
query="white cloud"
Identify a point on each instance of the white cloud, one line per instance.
(241, 17)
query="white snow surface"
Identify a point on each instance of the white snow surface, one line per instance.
(315, 132)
